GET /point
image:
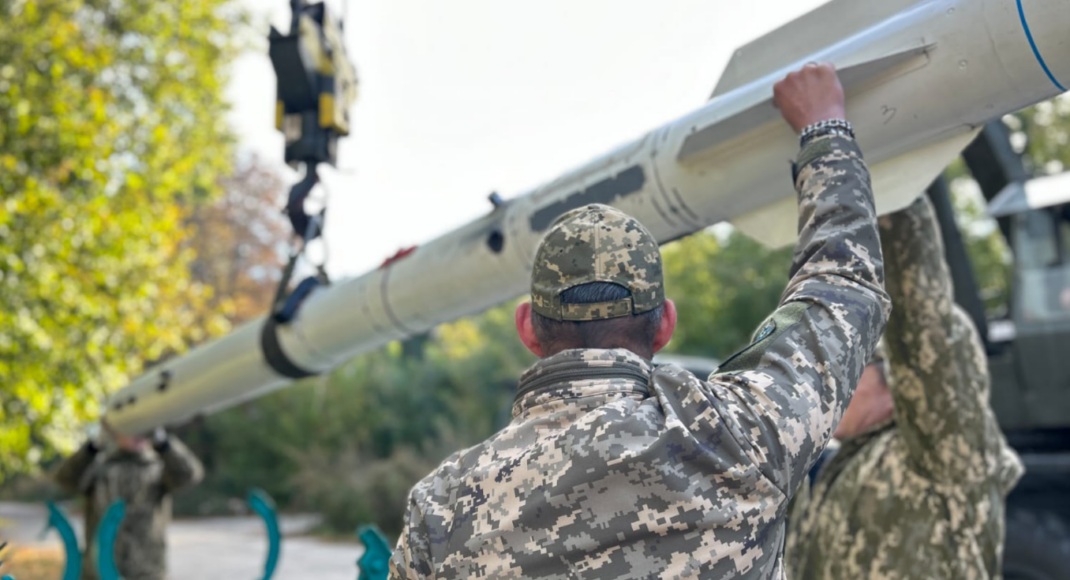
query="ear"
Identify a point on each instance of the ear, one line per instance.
(525, 330)
(668, 326)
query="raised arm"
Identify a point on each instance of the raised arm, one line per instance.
(73, 469)
(180, 466)
(793, 383)
(937, 370)
(411, 559)
(789, 388)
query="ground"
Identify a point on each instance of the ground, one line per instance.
(198, 549)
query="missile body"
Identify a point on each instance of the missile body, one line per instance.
(920, 77)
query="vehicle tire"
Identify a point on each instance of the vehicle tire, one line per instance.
(1037, 546)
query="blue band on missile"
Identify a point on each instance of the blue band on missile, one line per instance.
(1036, 51)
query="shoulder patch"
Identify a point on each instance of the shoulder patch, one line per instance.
(784, 318)
(766, 331)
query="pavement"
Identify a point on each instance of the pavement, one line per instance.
(229, 548)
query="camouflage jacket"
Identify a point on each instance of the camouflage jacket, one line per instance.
(920, 496)
(144, 481)
(613, 469)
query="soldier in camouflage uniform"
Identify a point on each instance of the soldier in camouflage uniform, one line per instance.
(917, 488)
(141, 474)
(612, 468)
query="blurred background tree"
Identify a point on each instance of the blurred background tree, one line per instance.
(111, 127)
(239, 242)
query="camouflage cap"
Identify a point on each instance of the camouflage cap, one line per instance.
(597, 243)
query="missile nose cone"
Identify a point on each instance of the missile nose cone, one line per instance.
(1046, 26)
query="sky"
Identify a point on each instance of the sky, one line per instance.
(463, 98)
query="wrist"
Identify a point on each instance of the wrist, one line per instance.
(815, 116)
(827, 127)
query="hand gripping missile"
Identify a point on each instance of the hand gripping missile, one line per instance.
(920, 76)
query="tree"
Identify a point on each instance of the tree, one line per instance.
(239, 242)
(1042, 134)
(111, 123)
(724, 284)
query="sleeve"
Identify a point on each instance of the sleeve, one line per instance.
(784, 394)
(411, 559)
(73, 469)
(180, 466)
(937, 369)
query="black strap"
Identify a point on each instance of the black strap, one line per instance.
(274, 355)
(295, 203)
(285, 305)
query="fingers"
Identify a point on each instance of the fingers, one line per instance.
(809, 94)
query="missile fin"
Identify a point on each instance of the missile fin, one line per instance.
(805, 35)
(853, 77)
(896, 182)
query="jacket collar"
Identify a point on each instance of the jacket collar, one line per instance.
(585, 377)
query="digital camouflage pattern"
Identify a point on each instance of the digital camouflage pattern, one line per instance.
(597, 243)
(613, 469)
(920, 496)
(144, 481)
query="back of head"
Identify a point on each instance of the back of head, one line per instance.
(597, 283)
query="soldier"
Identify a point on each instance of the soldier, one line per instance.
(142, 474)
(612, 468)
(917, 488)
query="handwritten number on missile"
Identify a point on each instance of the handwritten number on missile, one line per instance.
(888, 113)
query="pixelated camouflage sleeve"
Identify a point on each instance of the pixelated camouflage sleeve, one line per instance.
(73, 469)
(793, 383)
(411, 558)
(937, 369)
(180, 466)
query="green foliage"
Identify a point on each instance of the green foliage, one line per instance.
(111, 117)
(723, 286)
(1042, 134)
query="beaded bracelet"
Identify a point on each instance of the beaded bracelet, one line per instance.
(827, 127)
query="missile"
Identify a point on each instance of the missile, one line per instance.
(921, 78)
